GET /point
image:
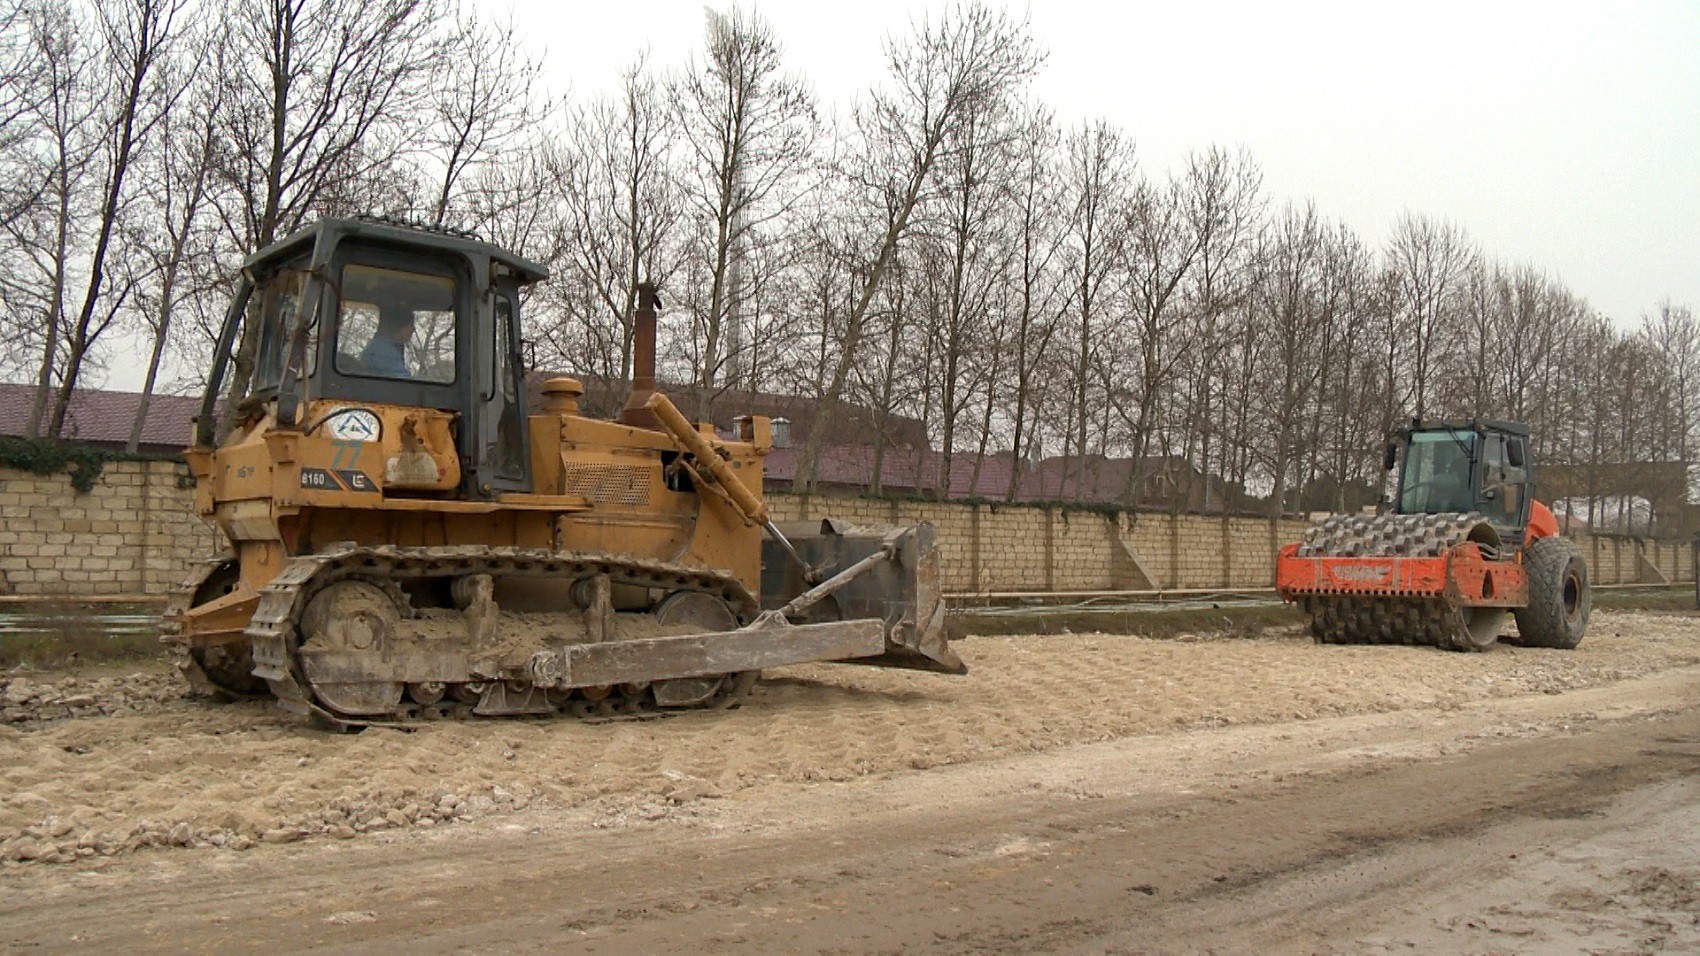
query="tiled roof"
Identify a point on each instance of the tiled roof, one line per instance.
(850, 423)
(901, 469)
(104, 418)
(913, 471)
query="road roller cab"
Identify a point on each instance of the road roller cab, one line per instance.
(1463, 467)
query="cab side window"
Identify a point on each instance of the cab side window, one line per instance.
(507, 453)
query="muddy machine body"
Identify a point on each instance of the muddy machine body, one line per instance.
(409, 540)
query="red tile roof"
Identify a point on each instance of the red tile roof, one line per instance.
(102, 418)
(906, 471)
(902, 470)
(851, 422)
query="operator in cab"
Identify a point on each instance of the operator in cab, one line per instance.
(386, 353)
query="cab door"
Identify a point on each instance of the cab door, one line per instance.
(1505, 487)
(501, 444)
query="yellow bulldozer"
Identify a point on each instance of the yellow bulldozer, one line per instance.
(409, 541)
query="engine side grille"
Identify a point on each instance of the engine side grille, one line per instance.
(608, 484)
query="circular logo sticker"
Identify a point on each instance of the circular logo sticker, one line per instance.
(353, 424)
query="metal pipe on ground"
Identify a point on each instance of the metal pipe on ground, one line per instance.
(963, 599)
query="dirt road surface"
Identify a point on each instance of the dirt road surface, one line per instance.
(1077, 793)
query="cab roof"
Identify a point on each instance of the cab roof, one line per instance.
(1484, 425)
(397, 232)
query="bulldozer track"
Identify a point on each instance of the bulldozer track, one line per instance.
(1433, 622)
(276, 639)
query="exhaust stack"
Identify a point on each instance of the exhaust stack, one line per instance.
(636, 412)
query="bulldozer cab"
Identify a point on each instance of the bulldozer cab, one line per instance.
(375, 313)
(1462, 467)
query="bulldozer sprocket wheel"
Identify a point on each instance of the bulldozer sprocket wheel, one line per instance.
(277, 638)
(224, 671)
(1560, 598)
(1347, 619)
(708, 613)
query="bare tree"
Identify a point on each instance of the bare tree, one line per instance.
(883, 383)
(325, 94)
(974, 178)
(176, 240)
(620, 203)
(481, 107)
(1162, 246)
(1674, 335)
(1431, 261)
(749, 133)
(137, 36)
(65, 114)
(1288, 298)
(25, 84)
(945, 71)
(1041, 294)
(1479, 340)
(1224, 207)
(1348, 381)
(1099, 179)
(517, 203)
(1532, 313)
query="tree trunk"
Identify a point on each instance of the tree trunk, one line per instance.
(56, 309)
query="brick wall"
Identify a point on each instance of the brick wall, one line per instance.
(989, 548)
(136, 533)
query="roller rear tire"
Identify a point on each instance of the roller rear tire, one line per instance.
(1559, 595)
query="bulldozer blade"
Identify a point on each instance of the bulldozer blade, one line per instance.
(750, 648)
(903, 592)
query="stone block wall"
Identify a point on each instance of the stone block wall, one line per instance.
(136, 533)
(1619, 559)
(992, 548)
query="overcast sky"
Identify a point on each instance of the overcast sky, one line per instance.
(1561, 134)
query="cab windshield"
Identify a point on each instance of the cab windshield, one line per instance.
(396, 324)
(1437, 473)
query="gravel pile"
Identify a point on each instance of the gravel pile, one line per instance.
(26, 699)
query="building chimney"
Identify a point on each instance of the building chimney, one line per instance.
(643, 359)
(781, 432)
